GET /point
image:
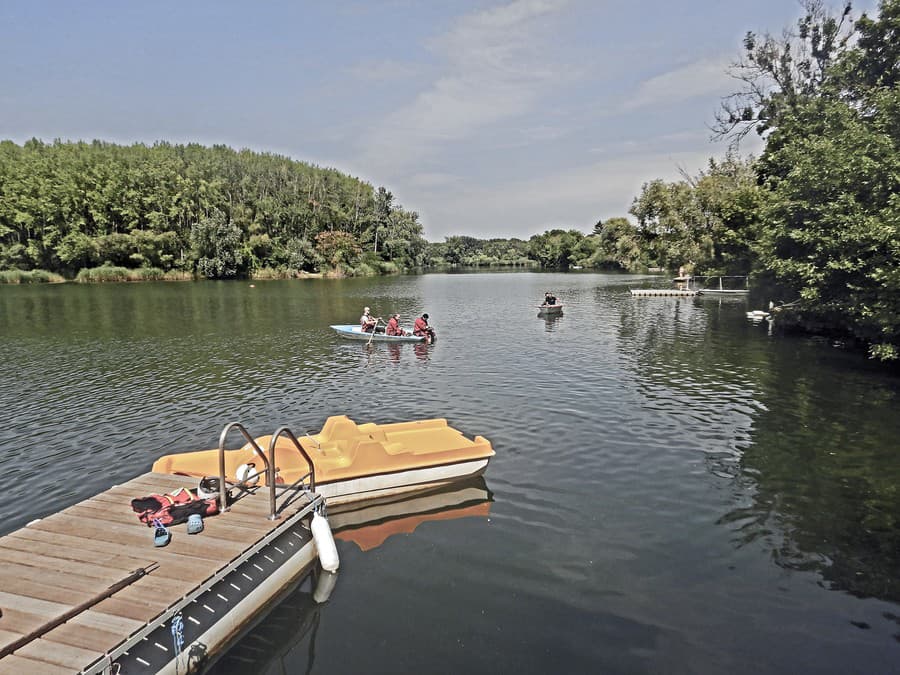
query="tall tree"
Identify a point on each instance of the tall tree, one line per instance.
(777, 74)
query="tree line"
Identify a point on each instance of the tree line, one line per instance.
(69, 206)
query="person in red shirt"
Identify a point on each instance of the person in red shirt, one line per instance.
(393, 326)
(422, 329)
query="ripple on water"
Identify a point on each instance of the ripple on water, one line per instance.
(668, 483)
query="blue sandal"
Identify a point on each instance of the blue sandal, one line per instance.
(195, 523)
(161, 536)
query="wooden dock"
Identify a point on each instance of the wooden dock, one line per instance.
(59, 562)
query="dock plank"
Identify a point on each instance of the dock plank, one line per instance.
(241, 535)
(73, 548)
(59, 566)
(117, 561)
(75, 636)
(17, 665)
(58, 654)
(241, 516)
(139, 536)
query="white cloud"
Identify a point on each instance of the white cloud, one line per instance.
(495, 69)
(707, 77)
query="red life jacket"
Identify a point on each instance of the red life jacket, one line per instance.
(393, 328)
(172, 509)
(420, 327)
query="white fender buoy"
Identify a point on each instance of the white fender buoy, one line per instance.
(244, 474)
(324, 586)
(325, 545)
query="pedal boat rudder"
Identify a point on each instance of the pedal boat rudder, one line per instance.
(356, 461)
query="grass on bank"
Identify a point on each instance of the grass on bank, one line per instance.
(30, 277)
(103, 274)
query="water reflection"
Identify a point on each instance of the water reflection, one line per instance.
(375, 353)
(285, 640)
(814, 479)
(674, 482)
(550, 320)
(286, 633)
(421, 350)
(824, 491)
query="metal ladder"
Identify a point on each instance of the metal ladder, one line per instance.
(275, 491)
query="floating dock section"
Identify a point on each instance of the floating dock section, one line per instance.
(170, 608)
(659, 292)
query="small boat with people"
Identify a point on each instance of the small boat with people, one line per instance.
(550, 305)
(550, 309)
(354, 332)
(372, 329)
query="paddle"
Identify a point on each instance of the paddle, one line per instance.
(374, 330)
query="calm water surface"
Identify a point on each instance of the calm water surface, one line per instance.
(676, 490)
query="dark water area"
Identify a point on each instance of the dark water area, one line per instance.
(676, 489)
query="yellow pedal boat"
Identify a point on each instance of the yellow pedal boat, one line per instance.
(351, 461)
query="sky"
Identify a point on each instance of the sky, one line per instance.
(489, 118)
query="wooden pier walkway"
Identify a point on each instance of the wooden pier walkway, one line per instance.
(59, 562)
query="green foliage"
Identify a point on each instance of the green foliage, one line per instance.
(831, 216)
(139, 204)
(706, 222)
(555, 249)
(338, 248)
(76, 249)
(216, 245)
(617, 245)
(778, 73)
(462, 251)
(13, 257)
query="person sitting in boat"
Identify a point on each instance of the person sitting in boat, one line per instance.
(549, 299)
(367, 322)
(422, 329)
(393, 326)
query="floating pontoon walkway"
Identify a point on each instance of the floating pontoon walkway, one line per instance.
(658, 292)
(65, 561)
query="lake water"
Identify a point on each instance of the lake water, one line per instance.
(675, 490)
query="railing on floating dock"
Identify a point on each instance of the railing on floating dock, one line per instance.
(716, 285)
(56, 611)
(659, 292)
(687, 286)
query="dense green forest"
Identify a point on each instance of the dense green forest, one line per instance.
(66, 207)
(815, 218)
